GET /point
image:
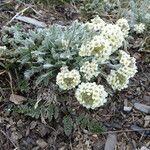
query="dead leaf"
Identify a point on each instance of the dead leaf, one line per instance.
(17, 99)
(31, 21)
(111, 142)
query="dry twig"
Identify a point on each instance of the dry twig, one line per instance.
(119, 131)
(19, 13)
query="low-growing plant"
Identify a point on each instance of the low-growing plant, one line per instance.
(47, 113)
(92, 125)
(139, 12)
(138, 15)
(46, 2)
(42, 111)
(89, 8)
(75, 57)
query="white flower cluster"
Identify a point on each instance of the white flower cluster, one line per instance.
(119, 79)
(114, 35)
(129, 67)
(90, 70)
(110, 38)
(98, 47)
(96, 24)
(91, 95)
(104, 40)
(139, 28)
(67, 80)
(123, 24)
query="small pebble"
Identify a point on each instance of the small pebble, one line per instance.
(128, 109)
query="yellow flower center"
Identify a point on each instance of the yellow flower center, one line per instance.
(87, 98)
(68, 81)
(97, 49)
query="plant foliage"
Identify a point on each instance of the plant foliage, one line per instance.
(139, 12)
(56, 46)
(42, 111)
(68, 125)
(89, 123)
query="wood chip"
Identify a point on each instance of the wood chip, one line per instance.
(33, 125)
(111, 142)
(147, 121)
(17, 99)
(140, 130)
(146, 98)
(31, 21)
(41, 143)
(142, 107)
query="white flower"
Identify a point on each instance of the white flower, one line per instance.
(123, 24)
(129, 64)
(91, 95)
(124, 58)
(67, 80)
(98, 47)
(96, 24)
(139, 28)
(118, 81)
(114, 35)
(128, 71)
(90, 70)
(85, 49)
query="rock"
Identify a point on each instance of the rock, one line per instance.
(41, 143)
(142, 107)
(111, 142)
(17, 99)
